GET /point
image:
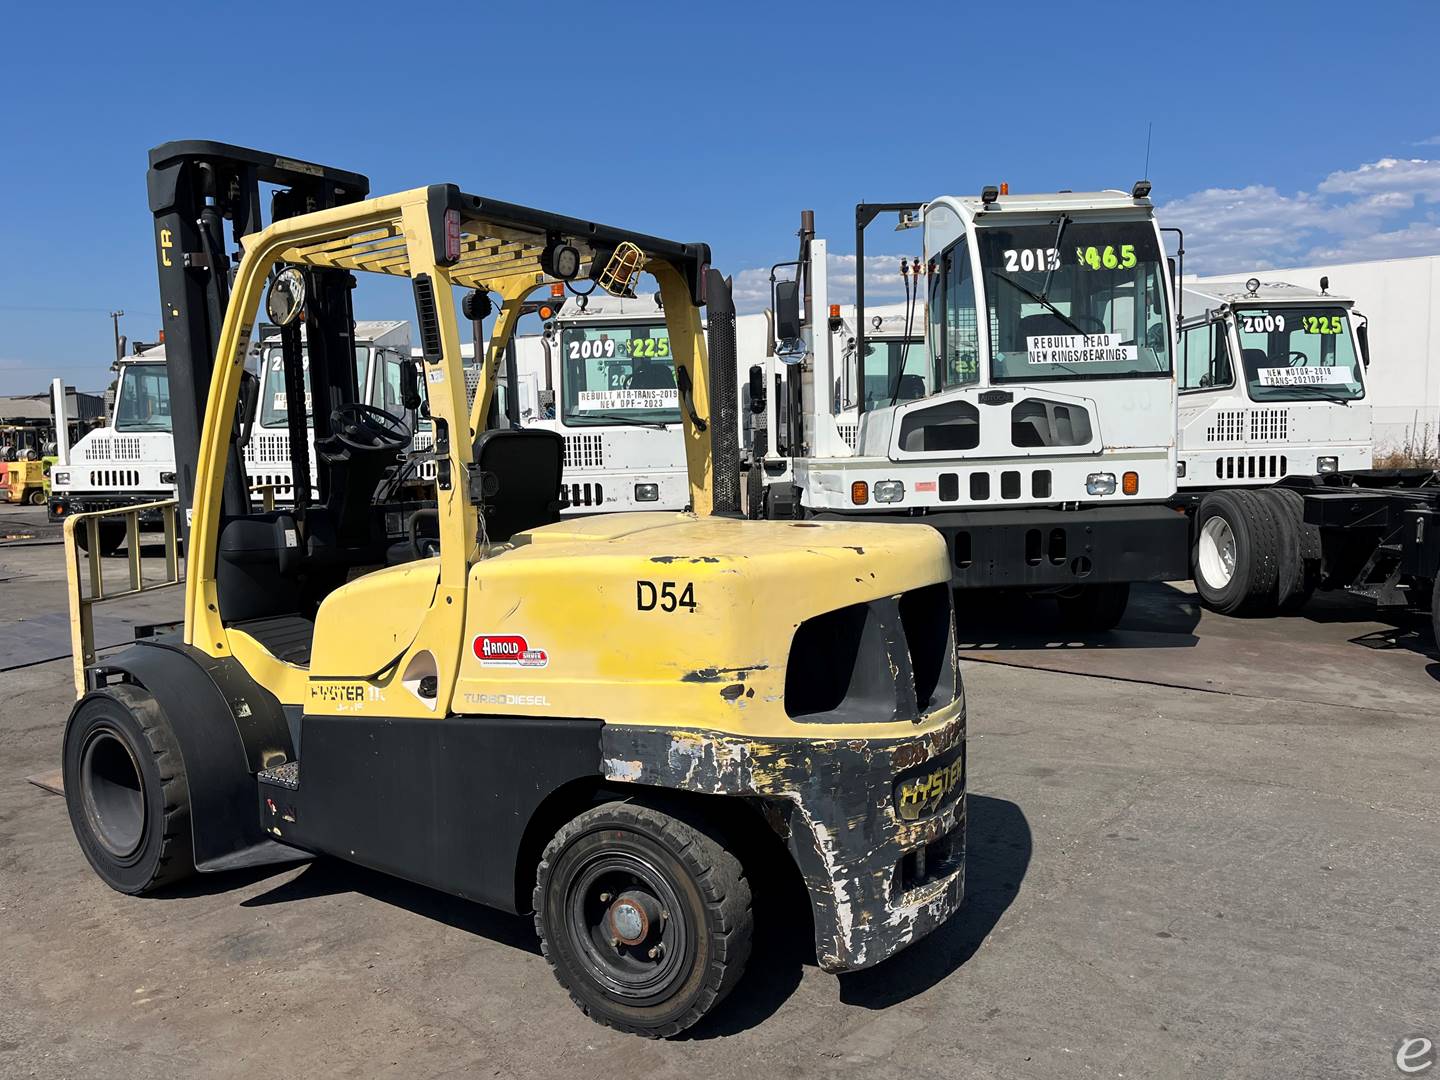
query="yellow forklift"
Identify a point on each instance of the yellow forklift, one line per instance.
(24, 468)
(592, 719)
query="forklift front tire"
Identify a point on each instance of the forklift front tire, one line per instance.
(126, 790)
(645, 918)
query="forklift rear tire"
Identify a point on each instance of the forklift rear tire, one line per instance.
(126, 791)
(37, 498)
(112, 537)
(645, 918)
(1236, 560)
(1094, 609)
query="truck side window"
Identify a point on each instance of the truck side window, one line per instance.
(1205, 357)
(958, 360)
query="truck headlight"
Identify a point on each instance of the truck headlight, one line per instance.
(647, 492)
(1100, 483)
(889, 491)
(60, 476)
(1327, 464)
(1180, 468)
(167, 477)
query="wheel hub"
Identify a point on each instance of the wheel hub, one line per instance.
(1217, 553)
(633, 915)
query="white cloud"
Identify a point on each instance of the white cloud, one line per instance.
(1433, 140)
(882, 282)
(1352, 214)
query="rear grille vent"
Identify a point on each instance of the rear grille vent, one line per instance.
(848, 432)
(876, 662)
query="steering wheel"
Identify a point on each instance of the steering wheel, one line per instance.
(1081, 320)
(364, 427)
(1299, 359)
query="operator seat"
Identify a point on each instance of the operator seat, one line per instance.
(518, 479)
(1254, 360)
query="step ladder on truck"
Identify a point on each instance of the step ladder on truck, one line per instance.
(603, 720)
(1272, 393)
(1043, 446)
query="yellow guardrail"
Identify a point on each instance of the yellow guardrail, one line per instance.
(83, 600)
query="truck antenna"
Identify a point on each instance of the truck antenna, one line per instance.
(1149, 128)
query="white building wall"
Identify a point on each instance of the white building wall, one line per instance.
(1401, 298)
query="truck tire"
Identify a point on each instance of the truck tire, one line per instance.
(1435, 610)
(112, 537)
(644, 918)
(1093, 609)
(1236, 559)
(36, 497)
(1299, 584)
(126, 790)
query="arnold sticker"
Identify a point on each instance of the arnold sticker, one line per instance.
(508, 650)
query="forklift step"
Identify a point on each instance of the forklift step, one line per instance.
(285, 776)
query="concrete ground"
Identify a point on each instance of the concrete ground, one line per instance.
(1198, 847)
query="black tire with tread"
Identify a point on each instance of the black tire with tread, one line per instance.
(1094, 609)
(1290, 506)
(717, 886)
(1435, 610)
(1254, 586)
(166, 854)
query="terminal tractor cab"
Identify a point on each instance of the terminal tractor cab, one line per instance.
(602, 720)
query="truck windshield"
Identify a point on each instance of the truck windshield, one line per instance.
(1298, 354)
(142, 401)
(1092, 306)
(618, 374)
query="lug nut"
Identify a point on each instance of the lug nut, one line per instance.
(604, 897)
(656, 952)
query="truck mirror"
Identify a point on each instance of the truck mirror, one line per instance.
(757, 389)
(787, 310)
(1362, 335)
(249, 403)
(409, 385)
(1174, 285)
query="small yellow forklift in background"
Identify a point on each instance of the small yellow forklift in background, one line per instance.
(580, 717)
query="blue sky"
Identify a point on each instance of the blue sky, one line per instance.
(1283, 132)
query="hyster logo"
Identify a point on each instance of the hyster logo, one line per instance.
(508, 650)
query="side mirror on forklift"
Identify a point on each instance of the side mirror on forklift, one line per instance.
(249, 404)
(409, 386)
(787, 310)
(757, 389)
(1362, 335)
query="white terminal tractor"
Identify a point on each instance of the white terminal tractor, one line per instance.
(1272, 389)
(1035, 429)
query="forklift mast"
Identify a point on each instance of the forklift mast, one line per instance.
(194, 187)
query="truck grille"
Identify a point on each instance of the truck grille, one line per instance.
(114, 478)
(115, 448)
(581, 495)
(876, 662)
(584, 451)
(1250, 467)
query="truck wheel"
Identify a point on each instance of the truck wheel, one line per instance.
(112, 537)
(1298, 586)
(644, 918)
(126, 790)
(1435, 610)
(1235, 561)
(1093, 609)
